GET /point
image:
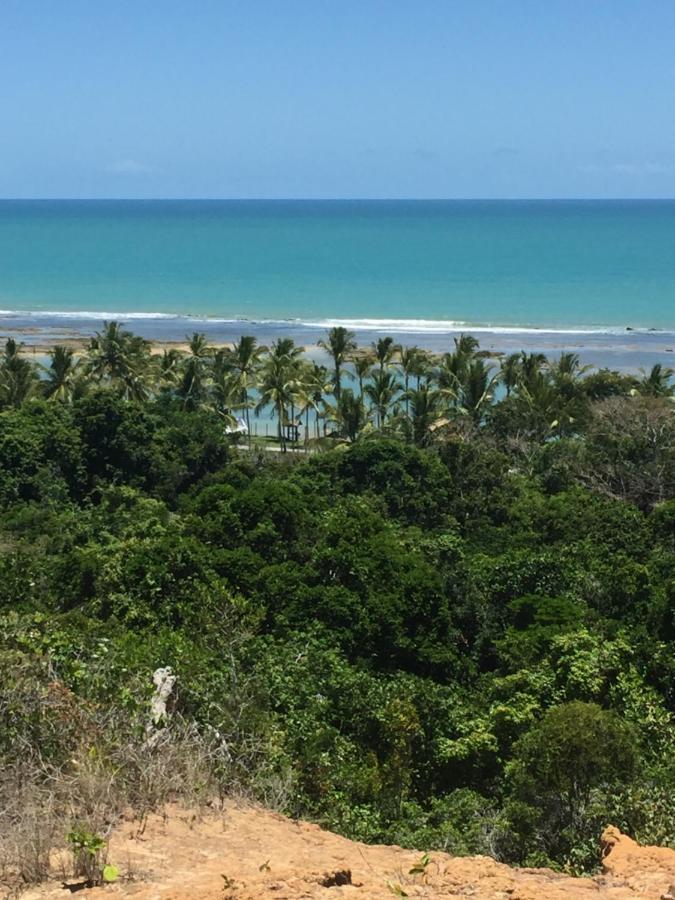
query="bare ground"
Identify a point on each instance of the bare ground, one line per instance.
(247, 853)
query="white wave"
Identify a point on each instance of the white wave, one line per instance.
(445, 326)
(387, 326)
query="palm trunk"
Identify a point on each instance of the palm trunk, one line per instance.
(280, 427)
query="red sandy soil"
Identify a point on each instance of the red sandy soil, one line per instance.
(247, 852)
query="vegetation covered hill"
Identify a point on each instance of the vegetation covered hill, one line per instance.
(450, 627)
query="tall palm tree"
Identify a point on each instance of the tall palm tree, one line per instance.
(192, 387)
(381, 392)
(62, 375)
(18, 378)
(244, 360)
(313, 384)
(411, 361)
(276, 390)
(288, 354)
(363, 363)
(340, 344)
(384, 350)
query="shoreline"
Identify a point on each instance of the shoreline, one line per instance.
(627, 350)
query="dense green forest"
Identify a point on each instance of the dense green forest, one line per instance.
(447, 622)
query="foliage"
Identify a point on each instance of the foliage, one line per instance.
(454, 631)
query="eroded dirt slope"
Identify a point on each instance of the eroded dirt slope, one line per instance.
(249, 853)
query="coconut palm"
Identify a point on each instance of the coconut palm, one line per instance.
(62, 380)
(276, 390)
(169, 367)
(192, 387)
(509, 368)
(465, 345)
(411, 361)
(350, 414)
(568, 366)
(531, 365)
(244, 361)
(363, 363)
(224, 396)
(658, 382)
(428, 408)
(384, 349)
(313, 383)
(18, 378)
(119, 357)
(477, 388)
(381, 392)
(340, 344)
(198, 346)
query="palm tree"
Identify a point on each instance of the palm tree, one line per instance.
(225, 396)
(568, 366)
(427, 408)
(477, 388)
(510, 371)
(62, 381)
(119, 357)
(192, 387)
(351, 414)
(411, 361)
(340, 344)
(276, 390)
(384, 350)
(531, 365)
(313, 383)
(18, 377)
(466, 345)
(244, 360)
(169, 367)
(658, 383)
(198, 345)
(381, 392)
(195, 374)
(363, 363)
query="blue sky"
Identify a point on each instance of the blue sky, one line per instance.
(337, 98)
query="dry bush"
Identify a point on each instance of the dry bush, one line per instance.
(76, 766)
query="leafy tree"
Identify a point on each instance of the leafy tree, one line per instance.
(577, 750)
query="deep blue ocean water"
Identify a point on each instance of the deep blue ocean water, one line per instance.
(556, 265)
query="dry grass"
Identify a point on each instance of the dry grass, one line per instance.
(68, 765)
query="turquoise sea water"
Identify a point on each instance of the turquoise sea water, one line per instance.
(559, 265)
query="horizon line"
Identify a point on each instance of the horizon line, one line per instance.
(337, 199)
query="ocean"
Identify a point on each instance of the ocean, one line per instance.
(577, 273)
